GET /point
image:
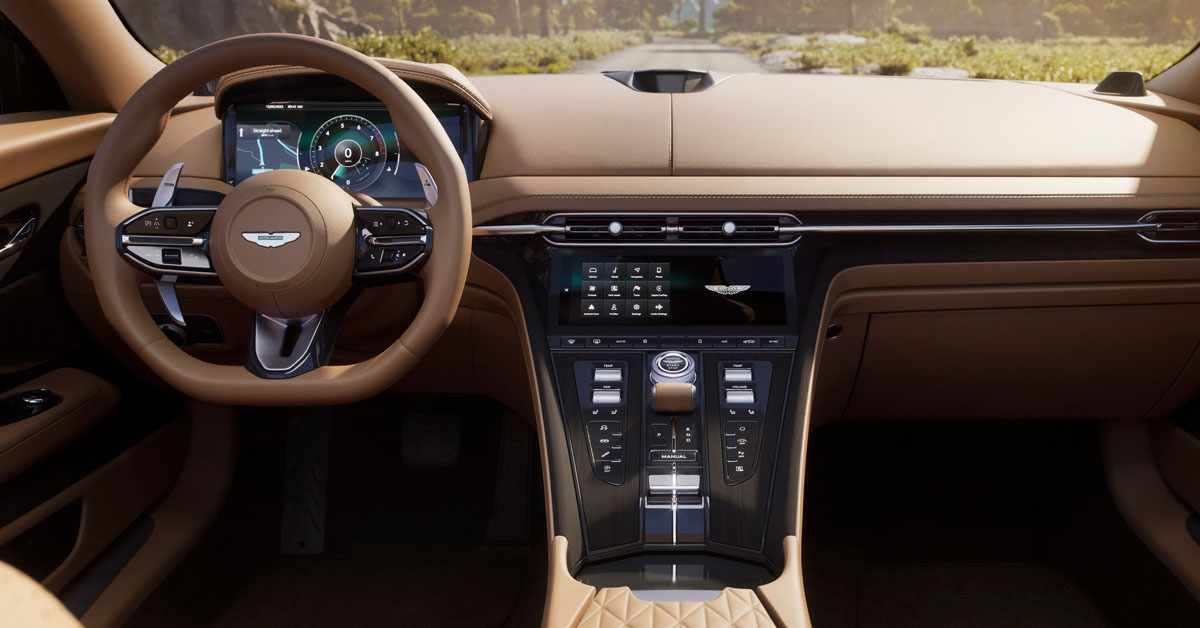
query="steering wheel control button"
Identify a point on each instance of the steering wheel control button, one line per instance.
(186, 258)
(391, 222)
(155, 222)
(391, 241)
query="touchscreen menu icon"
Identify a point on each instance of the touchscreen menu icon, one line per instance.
(625, 290)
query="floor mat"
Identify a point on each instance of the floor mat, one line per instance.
(979, 595)
(401, 544)
(974, 524)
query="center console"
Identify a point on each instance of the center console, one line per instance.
(671, 366)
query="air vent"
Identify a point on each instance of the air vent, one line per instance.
(697, 229)
(1171, 226)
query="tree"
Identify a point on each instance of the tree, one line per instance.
(517, 29)
(398, 8)
(703, 16)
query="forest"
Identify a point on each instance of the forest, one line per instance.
(1154, 20)
(1038, 40)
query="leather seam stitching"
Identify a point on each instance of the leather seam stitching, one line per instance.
(671, 133)
(751, 197)
(466, 92)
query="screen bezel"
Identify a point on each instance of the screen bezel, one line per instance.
(229, 128)
(562, 257)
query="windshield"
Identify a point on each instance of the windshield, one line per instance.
(1040, 40)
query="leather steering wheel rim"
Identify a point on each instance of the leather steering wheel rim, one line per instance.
(140, 124)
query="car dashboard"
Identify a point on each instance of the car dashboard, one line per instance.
(677, 287)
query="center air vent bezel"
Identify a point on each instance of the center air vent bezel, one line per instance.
(761, 229)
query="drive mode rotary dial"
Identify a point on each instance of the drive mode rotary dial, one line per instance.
(349, 150)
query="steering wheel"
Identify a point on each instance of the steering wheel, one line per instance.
(288, 244)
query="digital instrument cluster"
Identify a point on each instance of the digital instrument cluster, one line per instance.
(355, 146)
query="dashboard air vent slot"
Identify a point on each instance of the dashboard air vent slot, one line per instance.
(1171, 226)
(709, 229)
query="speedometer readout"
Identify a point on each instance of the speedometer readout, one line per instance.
(349, 150)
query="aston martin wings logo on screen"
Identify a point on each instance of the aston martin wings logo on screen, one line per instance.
(271, 240)
(727, 290)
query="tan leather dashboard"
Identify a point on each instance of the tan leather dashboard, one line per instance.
(777, 142)
(24, 153)
(439, 74)
(810, 125)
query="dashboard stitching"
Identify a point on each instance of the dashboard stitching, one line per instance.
(465, 90)
(826, 196)
(671, 133)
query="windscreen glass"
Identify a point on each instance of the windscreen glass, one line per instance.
(1043, 40)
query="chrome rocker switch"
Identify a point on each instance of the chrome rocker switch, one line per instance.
(605, 397)
(739, 375)
(607, 375)
(668, 483)
(738, 396)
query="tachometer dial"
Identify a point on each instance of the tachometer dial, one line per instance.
(349, 150)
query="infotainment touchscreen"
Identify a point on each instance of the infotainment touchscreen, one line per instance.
(745, 290)
(356, 146)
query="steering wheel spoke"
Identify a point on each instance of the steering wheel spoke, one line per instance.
(169, 240)
(286, 347)
(392, 243)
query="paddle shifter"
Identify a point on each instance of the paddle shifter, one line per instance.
(674, 505)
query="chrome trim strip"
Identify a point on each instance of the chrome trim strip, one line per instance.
(1153, 241)
(154, 240)
(676, 595)
(174, 270)
(396, 240)
(965, 228)
(19, 239)
(504, 230)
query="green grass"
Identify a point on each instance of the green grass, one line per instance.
(1070, 59)
(497, 54)
(485, 54)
